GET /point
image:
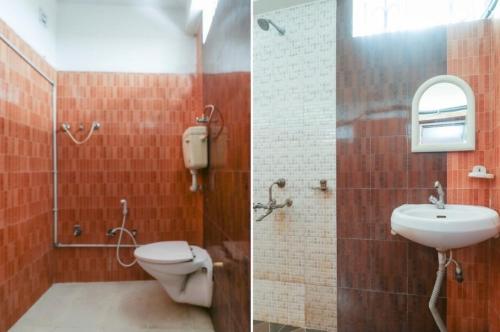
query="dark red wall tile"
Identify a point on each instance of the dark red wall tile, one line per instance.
(353, 263)
(371, 311)
(226, 84)
(352, 219)
(376, 172)
(419, 317)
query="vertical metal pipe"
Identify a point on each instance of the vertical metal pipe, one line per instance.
(54, 124)
(54, 164)
(435, 292)
(55, 208)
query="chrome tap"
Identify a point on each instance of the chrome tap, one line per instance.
(271, 204)
(439, 202)
(260, 206)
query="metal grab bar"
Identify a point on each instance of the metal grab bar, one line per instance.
(54, 128)
(93, 245)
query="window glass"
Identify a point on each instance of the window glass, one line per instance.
(380, 16)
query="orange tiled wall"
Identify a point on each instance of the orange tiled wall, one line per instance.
(25, 180)
(136, 154)
(494, 250)
(473, 54)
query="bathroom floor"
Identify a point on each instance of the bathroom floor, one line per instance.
(130, 306)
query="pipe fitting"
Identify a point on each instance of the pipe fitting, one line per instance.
(77, 230)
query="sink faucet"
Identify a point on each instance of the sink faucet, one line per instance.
(439, 202)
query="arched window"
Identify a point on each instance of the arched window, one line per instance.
(380, 16)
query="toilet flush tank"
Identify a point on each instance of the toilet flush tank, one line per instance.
(195, 150)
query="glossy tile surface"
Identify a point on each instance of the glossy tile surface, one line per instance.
(226, 84)
(381, 276)
(260, 326)
(473, 53)
(293, 117)
(25, 180)
(133, 306)
(136, 154)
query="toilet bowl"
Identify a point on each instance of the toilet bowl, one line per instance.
(184, 271)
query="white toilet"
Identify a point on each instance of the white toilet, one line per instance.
(184, 271)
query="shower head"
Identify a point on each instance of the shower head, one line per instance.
(264, 25)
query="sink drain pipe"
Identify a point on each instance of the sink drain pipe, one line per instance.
(441, 272)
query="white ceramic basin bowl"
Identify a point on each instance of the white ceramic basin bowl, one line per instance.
(456, 226)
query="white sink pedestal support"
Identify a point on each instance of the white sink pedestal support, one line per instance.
(441, 273)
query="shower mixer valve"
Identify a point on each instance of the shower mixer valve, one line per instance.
(77, 230)
(66, 127)
(272, 204)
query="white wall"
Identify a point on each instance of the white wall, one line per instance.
(227, 48)
(114, 38)
(293, 120)
(23, 17)
(262, 6)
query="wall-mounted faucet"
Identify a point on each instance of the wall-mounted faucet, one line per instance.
(66, 128)
(77, 230)
(271, 204)
(439, 202)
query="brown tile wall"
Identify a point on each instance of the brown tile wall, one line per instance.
(137, 154)
(25, 180)
(227, 200)
(384, 281)
(227, 190)
(473, 53)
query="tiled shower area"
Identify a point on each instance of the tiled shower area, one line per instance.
(135, 155)
(295, 251)
(144, 71)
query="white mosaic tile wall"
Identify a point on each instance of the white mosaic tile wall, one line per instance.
(294, 253)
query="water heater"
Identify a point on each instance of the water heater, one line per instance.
(195, 150)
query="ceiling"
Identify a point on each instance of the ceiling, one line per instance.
(263, 6)
(177, 4)
(190, 11)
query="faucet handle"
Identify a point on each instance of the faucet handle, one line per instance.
(259, 206)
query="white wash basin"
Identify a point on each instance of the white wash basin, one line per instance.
(455, 226)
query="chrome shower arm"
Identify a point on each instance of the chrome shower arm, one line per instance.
(280, 183)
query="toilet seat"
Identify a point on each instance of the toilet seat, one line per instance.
(184, 271)
(166, 252)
